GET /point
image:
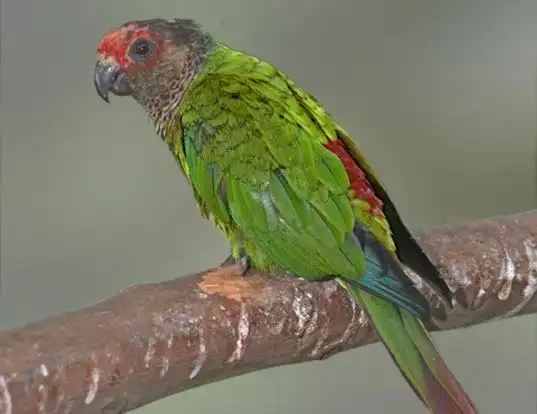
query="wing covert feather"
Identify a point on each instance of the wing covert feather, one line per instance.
(284, 191)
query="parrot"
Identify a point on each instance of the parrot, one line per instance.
(283, 181)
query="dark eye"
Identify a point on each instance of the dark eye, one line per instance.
(141, 49)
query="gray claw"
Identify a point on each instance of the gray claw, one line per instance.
(244, 261)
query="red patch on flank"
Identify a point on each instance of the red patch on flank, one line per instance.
(116, 43)
(360, 185)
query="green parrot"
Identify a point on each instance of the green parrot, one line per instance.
(283, 181)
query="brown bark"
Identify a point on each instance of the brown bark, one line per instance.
(153, 340)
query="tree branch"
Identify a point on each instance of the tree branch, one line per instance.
(153, 340)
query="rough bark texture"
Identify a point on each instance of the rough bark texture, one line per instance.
(154, 340)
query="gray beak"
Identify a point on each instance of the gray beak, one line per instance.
(106, 77)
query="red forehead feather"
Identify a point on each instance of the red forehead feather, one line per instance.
(116, 42)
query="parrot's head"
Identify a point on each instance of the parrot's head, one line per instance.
(151, 60)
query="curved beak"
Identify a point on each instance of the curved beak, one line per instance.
(105, 75)
(109, 77)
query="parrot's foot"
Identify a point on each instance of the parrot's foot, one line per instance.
(243, 261)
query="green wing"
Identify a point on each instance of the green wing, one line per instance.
(259, 168)
(253, 148)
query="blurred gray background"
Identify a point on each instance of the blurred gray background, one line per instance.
(439, 94)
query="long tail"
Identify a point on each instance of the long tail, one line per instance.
(415, 354)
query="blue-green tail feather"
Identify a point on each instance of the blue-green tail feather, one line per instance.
(397, 309)
(385, 278)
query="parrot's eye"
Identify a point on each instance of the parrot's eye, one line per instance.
(141, 49)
